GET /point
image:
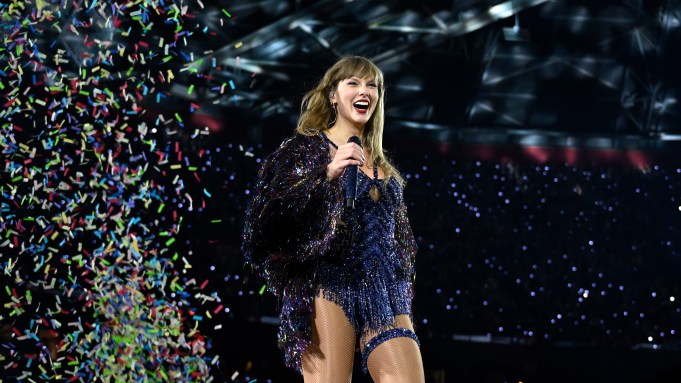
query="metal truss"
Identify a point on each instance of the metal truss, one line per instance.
(605, 79)
(591, 72)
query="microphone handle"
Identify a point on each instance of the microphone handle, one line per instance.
(351, 178)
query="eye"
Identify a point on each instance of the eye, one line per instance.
(352, 82)
(373, 85)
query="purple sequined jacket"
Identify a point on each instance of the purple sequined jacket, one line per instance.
(290, 225)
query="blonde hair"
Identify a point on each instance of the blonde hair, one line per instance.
(317, 114)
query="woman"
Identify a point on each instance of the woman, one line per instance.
(342, 275)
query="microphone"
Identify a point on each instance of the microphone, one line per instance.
(351, 178)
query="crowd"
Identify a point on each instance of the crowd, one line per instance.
(547, 253)
(517, 252)
(532, 253)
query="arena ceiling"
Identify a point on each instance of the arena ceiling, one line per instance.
(531, 72)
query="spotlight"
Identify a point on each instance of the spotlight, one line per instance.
(515, 33)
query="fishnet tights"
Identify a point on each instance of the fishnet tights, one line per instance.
(397, 360)
(330, 358)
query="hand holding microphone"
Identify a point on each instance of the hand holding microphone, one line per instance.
(351, 177)
(350, 154)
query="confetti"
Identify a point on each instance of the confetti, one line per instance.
(79, 247)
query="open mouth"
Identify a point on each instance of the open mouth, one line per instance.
(361, 106)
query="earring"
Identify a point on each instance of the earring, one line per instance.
(335, 114)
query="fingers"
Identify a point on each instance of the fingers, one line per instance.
(347, 163)
(346, 155)
(337, 167)
(350, 150)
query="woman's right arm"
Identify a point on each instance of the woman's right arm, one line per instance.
(295, 207)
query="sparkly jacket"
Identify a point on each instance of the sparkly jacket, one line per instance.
(290, 227)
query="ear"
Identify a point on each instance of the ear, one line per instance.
(332, 95)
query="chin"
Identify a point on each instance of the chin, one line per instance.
(362, 119)
(362, 123)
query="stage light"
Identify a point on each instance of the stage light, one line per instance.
(669, 137)
(502, 10)
(515, 33)
(668, 18)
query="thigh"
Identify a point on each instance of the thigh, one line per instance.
(401, 321)
(396, 360)
(331, 355)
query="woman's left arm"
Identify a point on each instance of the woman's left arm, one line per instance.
(404, 238)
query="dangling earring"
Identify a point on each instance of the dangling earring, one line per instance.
(335, 114)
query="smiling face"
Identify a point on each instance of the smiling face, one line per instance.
(356, 99)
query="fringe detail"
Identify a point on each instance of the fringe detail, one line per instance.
(295, 330)
(371, 304)
(294, 238)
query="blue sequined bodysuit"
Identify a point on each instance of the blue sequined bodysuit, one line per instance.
(302, 242)
(365, 276)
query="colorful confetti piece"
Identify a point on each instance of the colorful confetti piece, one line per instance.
(92, 197)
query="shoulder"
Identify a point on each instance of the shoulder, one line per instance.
(396, 187)
(303, 141)
(298, 147)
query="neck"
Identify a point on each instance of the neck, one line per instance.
(342, 132)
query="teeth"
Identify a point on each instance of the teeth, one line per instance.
(364, 105)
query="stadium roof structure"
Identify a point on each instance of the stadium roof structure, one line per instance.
(529, 72)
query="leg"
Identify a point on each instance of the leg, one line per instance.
(397, 359)
(332, 353)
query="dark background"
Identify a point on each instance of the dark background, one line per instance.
(540, 142)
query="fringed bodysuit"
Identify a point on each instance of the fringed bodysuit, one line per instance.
(365, 277)
(302, 241)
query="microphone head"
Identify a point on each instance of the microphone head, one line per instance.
(356, 140)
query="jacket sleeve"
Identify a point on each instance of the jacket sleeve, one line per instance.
(293, 213)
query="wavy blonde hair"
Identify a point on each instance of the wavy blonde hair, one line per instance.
(317, 114)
